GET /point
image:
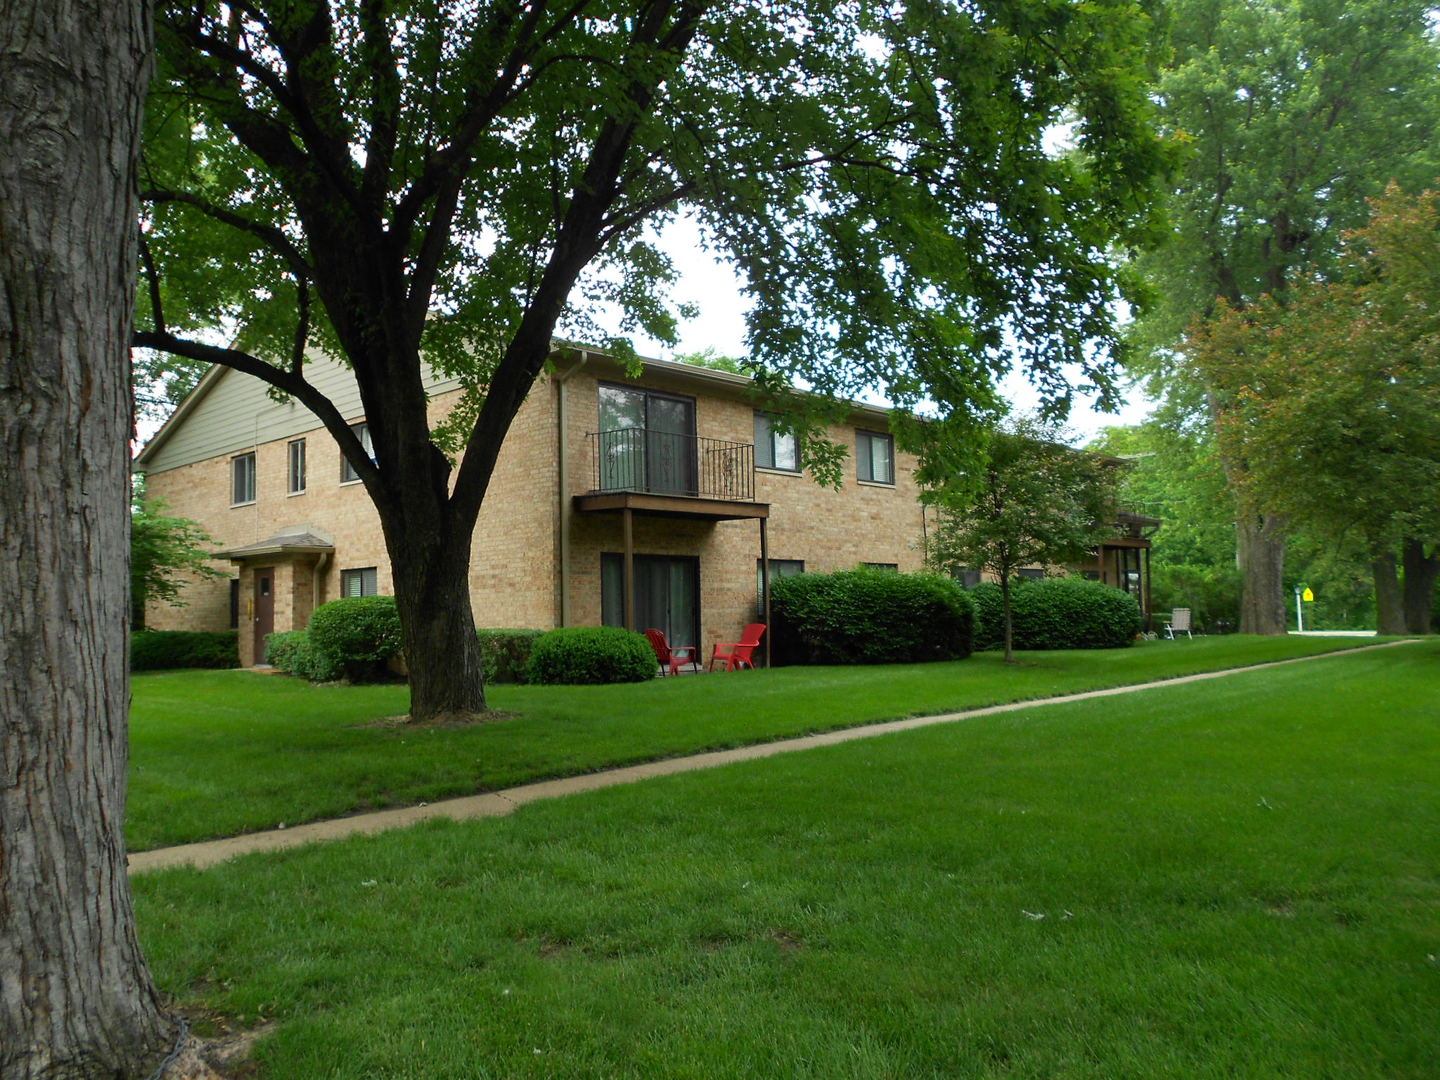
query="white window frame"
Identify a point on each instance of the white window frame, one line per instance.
(295, 467)
(348, 475)
(242, 479)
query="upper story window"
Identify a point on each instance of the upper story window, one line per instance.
(647, 441)
(774, 449)
(297, 466)
(242, 479)
(361, 582)
(362, 432)
(875, 457)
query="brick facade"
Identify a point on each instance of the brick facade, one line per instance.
(536, 560)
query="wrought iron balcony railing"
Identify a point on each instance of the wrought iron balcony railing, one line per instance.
(666, 463)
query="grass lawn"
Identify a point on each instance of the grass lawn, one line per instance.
(224, 752)
(1237, 879)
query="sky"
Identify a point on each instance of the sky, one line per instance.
(716, 289)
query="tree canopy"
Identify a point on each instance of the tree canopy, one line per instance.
(1294, 111)
(1336, 395)
(386, 181)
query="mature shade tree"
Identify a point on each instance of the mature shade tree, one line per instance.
(76, 998)
(1336, 401)
(1296, 111)
(1035, 501)
(386, 181)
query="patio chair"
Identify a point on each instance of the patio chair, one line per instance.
(1179, 624)
(738, 654)
(671, 657)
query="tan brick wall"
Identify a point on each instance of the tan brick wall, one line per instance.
(828, 529)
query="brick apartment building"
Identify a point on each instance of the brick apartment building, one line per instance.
(675, 468)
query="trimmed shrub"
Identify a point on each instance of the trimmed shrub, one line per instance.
(156, 650)
(866, 616)
(357, 635)
(591, 654)
(506, 653)
(292, 652)
(1059, 613)
(280, 648)
(989, 615)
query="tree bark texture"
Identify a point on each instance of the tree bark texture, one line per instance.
(1389, 600)
(1421, 571)
(432, 597)
(76, 998)
(1260, 553)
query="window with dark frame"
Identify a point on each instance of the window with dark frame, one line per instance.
(234, 603)
(966, 576)
(242, 479)
(874, 457)
(347, 471)
(774, 449)
(887, 567)
(297, 466)
(1031, 573)
(360, 582)
(778, 568)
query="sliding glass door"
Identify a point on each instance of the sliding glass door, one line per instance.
(667, 595)
(647, 441)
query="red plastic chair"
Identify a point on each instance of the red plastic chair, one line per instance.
(738, 654)
(671, 657)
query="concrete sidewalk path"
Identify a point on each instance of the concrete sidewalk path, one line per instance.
(500, 803)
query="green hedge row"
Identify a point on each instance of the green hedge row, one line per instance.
(156, 650)
(591, 654)
(1056, 613)
(866, 616)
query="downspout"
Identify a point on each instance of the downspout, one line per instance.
(317, 583)
(562, 483)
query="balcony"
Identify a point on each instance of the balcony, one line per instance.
(662, 472)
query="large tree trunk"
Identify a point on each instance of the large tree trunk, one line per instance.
(1420, 574)
(1260, 553)
(76, 999)
(1389, 602)
(442, 653)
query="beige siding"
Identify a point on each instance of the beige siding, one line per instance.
(236, 412)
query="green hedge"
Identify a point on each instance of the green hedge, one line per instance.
(866, 616)
(156, 650)
(357, 634)
(591, 654)
(1057, 613)
(506, 654)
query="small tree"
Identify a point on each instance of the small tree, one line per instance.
(1034, 501)
(166, 553)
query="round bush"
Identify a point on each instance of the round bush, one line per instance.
(1059, 613)
(579, 655)
(867, 616)
(291, 651)
(357, 634)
